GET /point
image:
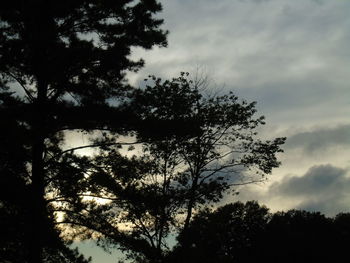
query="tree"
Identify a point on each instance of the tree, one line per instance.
(154, 194)
(247, 232)
(302, 236)
(15, 201)
(15, 238)
(64, 64)
(231, 233)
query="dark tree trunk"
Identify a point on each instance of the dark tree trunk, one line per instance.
(38, 212)
(38, 217)
(191, 202)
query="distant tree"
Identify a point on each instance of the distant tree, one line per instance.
(63, 66)
(154, 193)
(302, 236)
(249, 233)
(232, 233)
(342, 228)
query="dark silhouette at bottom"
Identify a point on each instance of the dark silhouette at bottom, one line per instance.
(249, 233)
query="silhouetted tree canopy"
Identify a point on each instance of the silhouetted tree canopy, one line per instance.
(302, 236)
(153, 188)
(16, 201)
(231, 233)
(62, 67)
(249, 233)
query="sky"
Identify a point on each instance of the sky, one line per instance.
(293, 58)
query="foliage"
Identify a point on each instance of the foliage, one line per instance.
(302, 236)
(62, 64)
(78, 48)
(248, 232)
(16, 237)
(62, 69)
(16, 200)
(155, 192)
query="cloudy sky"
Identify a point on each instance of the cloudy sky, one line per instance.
(293, 58)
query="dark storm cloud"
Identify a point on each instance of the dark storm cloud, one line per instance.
(320, 140)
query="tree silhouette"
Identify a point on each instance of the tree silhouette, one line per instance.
(62, 66)
(16, 201)
(155, 192)
(302, 236)
(230, 234)
(248, 232)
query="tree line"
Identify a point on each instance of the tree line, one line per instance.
(248, 232)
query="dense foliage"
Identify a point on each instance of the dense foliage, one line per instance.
(153, 189)
(61, 64)
(247, 232)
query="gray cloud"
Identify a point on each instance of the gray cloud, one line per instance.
(292, 57)
(324, 188)
(318, 181)
(320, 140)
(289, 56)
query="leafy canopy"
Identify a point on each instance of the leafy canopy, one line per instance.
(154, 188)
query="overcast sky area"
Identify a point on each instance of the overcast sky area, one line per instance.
(293, 58)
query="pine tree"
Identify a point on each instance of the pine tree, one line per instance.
(63, 66)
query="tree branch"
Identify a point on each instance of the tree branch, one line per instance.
(20, 82)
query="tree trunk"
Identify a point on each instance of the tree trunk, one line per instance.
(191, 202)
(38, 212)
(38, 217)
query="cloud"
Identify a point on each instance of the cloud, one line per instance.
(324, 188)
(291, 57)
(318, 181)
(320, 140)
